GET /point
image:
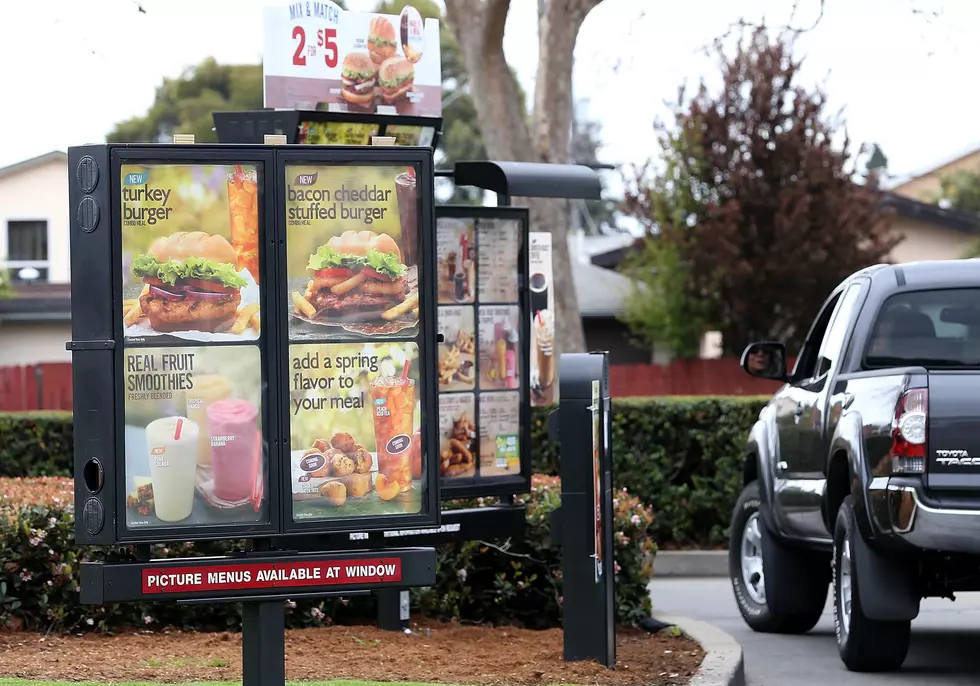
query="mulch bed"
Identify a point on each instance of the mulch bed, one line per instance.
(437, 653)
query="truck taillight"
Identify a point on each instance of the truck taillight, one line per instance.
(908, 454)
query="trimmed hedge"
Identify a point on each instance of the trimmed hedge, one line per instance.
(36, 444)
(681, 456)
(500, 582)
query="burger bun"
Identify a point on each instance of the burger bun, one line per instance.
(359, 242)
(381, 28)
(183, 244)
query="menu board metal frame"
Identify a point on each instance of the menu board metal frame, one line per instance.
(99, 349)
(507, 485)
(199, 154)
(426, 338)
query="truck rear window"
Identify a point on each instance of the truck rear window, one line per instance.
(938, 329)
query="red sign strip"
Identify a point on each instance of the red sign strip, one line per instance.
(234, 577)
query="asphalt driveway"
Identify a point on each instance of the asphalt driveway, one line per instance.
(945, 640)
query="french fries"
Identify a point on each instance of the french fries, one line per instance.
(254, 322)
(349, 285)
(244, 316)
(415, 312)
(129, 303)
(133, 315)
(402, 308)
(303, 305)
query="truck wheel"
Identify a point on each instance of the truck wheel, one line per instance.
(778, 590)
(866, 645)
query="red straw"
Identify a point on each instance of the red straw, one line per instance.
(258, 483)
(239, 175)
(180, 423)
(408, 364)
(540, 318)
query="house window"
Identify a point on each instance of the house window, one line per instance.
(27, 249)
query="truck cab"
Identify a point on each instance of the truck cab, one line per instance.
(863, 471)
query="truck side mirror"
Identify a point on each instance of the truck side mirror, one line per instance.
(765, 360)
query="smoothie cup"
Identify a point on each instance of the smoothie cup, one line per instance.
(233, 444)
(208, 389)
(172, 444)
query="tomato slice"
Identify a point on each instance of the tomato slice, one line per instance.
(210, 286)
(371, 274)
(333, 271)
(153, 281)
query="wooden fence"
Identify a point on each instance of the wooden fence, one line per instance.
(723, 376)
(44, 386)
(48, 386)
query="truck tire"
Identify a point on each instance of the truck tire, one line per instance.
(865, 645)
(777, 589)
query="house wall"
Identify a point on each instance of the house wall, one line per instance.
(40, 194)
(926, 188)
(33, 343)
(924, 241)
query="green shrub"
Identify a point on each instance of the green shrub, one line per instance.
(35, 444)
(513, 582)
(681, 456)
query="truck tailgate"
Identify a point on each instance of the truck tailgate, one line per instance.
(953, 458)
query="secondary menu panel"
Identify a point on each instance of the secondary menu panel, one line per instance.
(480, 358)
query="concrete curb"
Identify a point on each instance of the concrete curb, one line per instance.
(690, 563)
(723, 663)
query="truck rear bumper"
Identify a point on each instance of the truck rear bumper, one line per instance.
(900, 511)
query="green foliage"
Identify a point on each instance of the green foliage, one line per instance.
(502, 582)
(753, 169)
(683, 457)
(35, 444)
(6, 289)
(962, 190)
(185, 104)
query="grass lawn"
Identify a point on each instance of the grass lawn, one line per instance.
(21, 682)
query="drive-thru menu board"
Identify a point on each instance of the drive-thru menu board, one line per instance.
(352, 267)
(192, 322)
(483, 391)
(251, 338)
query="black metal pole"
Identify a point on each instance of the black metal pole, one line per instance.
(585, 526)
(503, 200)
(264, 643)
(393, 610)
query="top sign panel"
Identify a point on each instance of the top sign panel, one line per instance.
(320, 57)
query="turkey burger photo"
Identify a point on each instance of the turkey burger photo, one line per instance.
(359, 79)
(192, 283)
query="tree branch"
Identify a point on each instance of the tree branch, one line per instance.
(495, 21)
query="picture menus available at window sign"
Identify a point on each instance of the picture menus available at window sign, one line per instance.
(352, 261)
(479, 368)
(193, 381)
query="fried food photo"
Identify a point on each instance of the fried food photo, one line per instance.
(458, 455)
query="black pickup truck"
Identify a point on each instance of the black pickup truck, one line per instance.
(863, 471)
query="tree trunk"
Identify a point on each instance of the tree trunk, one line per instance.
(479, 27)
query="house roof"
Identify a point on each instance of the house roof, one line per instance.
(601, 292)
(965, 222)
(38, 303)
(25, 165)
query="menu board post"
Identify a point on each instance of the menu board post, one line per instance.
(582, 421)
(484, 366)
